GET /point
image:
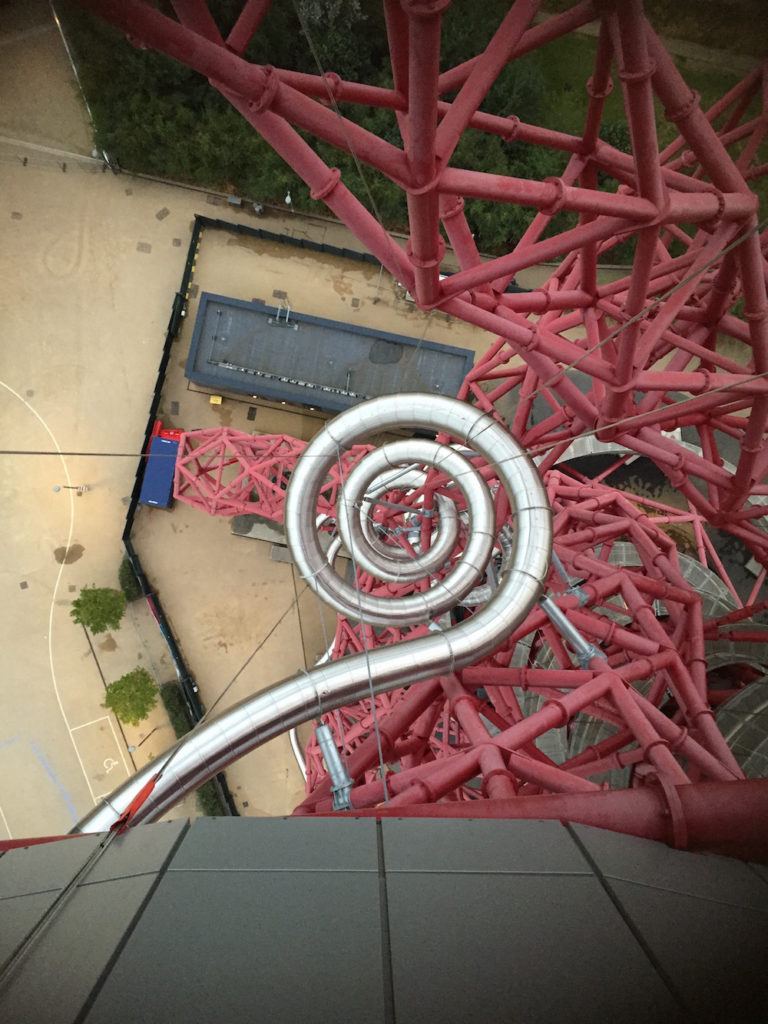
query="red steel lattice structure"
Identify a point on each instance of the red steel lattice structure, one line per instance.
(225, 472)
(649, 624)
(680, 341)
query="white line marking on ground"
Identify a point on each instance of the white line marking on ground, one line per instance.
(119, 747)
(109, 763)
(65, 469)
(5, 822)
(93, 721)
(6, 140)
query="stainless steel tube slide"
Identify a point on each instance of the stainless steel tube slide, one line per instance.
(214, 744)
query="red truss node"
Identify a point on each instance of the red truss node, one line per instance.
(669, 362)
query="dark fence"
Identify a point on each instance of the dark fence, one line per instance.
(187, 685)
(271, 236)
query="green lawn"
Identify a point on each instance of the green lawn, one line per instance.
(737, 26)
(568, 64)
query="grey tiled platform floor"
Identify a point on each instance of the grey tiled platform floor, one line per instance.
(306, 920)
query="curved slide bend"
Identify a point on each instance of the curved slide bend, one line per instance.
(214, 744)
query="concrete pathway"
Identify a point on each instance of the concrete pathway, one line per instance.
(41, 100)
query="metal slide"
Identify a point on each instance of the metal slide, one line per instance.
(217, 743)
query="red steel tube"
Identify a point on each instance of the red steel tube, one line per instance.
(458, 769)
(498, 782)
(485, 70)
(543, 194)
(410, 707)
(603, 227)
(194, 14)
(554, 27)
(722, 817)
(327, 185)
(426, 247)
(247, 24)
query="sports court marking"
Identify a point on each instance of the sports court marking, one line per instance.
(119, 746)
(57, 582)
(93, 721)
(101, 754)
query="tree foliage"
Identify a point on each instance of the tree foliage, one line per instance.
(208, 800)
(156, 116)
(98, 608)
(132, 696)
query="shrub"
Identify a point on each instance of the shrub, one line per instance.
(132, 696)
(99, 608)
(172, 699)
(208, 800)
(129, 584)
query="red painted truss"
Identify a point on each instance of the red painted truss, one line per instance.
(681, 339)
(528, 720)
(227, 473)
(669, 362)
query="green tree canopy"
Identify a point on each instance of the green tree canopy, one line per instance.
(132, 696)
(99, 608)
(156, 116)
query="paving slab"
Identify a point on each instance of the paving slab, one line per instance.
(34, 68)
